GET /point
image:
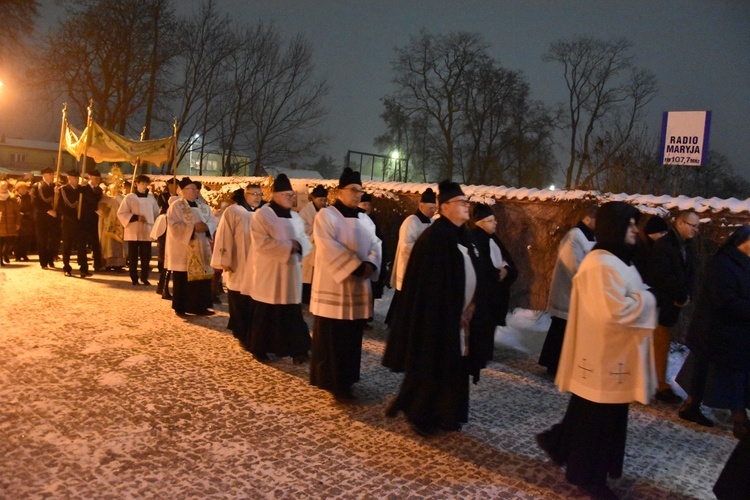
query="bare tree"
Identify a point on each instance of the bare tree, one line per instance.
(107, 51)
(430, 78)
(287, 105)
(606, 96)
(16, 21)
(207, 42)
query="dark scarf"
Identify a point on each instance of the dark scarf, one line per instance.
(346, 211)
(422, 217)
(587, 231)
(280, 211)
(141, 195)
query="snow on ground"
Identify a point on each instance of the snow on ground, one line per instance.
(105, 393)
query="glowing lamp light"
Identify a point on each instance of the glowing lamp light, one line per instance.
(394, 155)
(551, 187)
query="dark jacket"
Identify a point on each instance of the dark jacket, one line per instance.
(671, 276)
(499, 291)
(10, 216)
(720, 326)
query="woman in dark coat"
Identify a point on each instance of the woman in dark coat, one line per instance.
(717, 371)
(496, 266)
(26, 232)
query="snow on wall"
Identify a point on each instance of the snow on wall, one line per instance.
(490, 194)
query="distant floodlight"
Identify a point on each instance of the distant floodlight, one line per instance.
(394, 155)
(551, 187)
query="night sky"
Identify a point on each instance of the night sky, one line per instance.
(699, 51)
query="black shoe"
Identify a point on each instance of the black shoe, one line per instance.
(146, 282)
(301, 359)
(181, 314)
(85, 274)
(543, 441)
(741, 429)
(166, 295)
(599, 491)
(391, 411)
(261, 358)
(452, 427)
(205, 312)
(135, 283)
(426, 430)
(67, 273)
(668, 396)
(692, 413)
(344, 395)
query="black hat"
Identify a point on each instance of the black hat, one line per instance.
(349, 177)
(482, 211)
(320, 192)
(238, 195)
(73, 173)
(655, 225)
(198, 184)
(366, 197)
(428, 196)
(94, 173)
(612, 222)
(47, 170)
(184, 182)
(282, 183)
(447, 190)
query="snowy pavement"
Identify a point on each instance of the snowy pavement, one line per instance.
(105, 393)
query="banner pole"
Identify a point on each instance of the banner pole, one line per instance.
(137, 163)
(173, 160)
(59, 153)
(89, 133)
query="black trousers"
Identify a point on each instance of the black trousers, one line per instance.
(47, 230)
(73, 239)
(90, 234)
(139, 250)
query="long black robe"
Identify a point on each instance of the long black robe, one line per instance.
(498, 291)
(425, 336)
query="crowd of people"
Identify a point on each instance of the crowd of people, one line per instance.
(615, 295)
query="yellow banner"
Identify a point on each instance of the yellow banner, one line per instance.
(106, 145)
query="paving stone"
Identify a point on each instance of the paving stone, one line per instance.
(105, 393)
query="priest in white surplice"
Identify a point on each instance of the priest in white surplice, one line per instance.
(231, 249)
(137, 214)
(190, 225)
(347, 257)
(411, 229)
(607, 359)
(277, 245)
(318, 200)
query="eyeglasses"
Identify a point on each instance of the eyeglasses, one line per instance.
(463, 203)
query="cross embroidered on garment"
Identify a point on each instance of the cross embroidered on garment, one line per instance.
(619, 374)
(585, 371)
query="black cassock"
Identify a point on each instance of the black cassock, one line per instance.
(425, 336)
(499, 291)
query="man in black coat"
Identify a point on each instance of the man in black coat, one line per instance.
(438, 337)
(46, 221)
(67, 207)
(89, 222)
(671, 276)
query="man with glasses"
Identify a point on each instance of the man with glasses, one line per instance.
(438, 337)
(318, 200)
(277, 245)
(347, 257)
(671, 275)
(230, 254)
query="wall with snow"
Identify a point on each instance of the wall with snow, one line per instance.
(531, 222)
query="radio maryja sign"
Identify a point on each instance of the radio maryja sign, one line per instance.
(684, 137)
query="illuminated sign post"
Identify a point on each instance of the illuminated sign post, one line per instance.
(684, 137)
